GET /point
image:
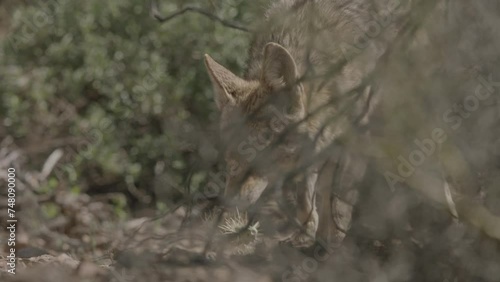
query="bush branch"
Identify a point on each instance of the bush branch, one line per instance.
(162, 19)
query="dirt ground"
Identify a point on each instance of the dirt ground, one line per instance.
(87, 244)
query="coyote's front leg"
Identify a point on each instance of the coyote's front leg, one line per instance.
(307, 214)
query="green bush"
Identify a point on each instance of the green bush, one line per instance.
(119, 91)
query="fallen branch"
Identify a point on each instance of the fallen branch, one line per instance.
(464, 207)
(156, 14)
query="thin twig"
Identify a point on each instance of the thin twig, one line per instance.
(156, 14)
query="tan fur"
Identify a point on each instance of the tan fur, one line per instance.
(297, 50)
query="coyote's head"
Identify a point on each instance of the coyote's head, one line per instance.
(262, 123)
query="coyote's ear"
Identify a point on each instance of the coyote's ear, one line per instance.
(279, 69)
(225, 83)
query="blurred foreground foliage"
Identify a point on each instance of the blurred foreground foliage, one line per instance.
(125, 96)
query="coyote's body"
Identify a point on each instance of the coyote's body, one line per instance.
(303, 90)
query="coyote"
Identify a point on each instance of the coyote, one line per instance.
(303, 92)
